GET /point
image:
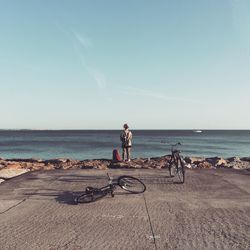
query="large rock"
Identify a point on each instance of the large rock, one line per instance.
(245, 159)
(217, 161)
(234, 159)
(102, 166)
(239, 165)
(221, 163)
(55, 161)
(13, 165)
(121, 164)
(98, 164)
(193, 160)
(213, 160)
(116, 164)
(45, 167)
(205, 164)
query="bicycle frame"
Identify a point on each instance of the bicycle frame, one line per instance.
(175, 164)
(106, 189)
(129, 183)
(175, 154)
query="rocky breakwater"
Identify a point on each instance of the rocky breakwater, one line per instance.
(10, 168)
(217, 162)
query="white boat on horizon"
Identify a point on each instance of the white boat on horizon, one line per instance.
(197, 131)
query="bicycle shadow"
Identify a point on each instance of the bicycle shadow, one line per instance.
(65, 197)
(69, 198)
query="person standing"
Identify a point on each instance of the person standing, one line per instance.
(126, 139)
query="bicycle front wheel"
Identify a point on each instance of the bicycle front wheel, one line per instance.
(131, 184)
(181, 171)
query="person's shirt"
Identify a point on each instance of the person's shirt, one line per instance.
(126, 138)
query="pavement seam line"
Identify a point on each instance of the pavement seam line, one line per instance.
(13, 206)
(23, 199)
(150, 223)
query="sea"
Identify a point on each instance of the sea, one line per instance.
(99, 144)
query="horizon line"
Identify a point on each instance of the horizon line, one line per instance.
(105, 129)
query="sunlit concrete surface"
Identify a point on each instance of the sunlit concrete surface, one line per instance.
(210, 211)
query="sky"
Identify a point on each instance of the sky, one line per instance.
(97, 64)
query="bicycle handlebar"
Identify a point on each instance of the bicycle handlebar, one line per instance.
(110, 179)
(176, 144)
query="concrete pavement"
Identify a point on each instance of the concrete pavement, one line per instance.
(210, 211)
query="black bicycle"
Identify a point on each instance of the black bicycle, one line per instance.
(175, 165)
(128, 183)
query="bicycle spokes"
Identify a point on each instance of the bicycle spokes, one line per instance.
(131, 184)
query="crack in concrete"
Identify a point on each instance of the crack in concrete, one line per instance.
(153, 236)
(13, 206)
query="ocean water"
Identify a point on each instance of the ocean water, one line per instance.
(95, 144)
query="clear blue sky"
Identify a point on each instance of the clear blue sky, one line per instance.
(97, 64)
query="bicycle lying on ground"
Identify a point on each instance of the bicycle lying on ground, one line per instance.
(175, 165)
(128, 183)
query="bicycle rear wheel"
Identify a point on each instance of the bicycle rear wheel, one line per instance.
(131, 184)
(85, 198)
(177, 169)
(173, 169)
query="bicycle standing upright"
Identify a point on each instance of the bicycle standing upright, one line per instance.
(176, 165)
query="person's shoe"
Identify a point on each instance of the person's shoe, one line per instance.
(129, 160)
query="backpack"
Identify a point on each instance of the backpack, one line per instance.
(116, 155)
(126, 138)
